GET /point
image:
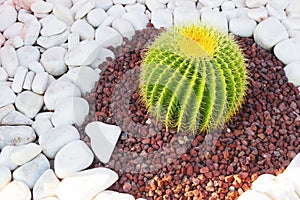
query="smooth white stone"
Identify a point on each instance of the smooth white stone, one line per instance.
(228, 5)
(86, 184)
(9, 60)
(294, 34)
(15, 118)
(27, 55)
(29, 103)
(103, 139)
(107, 36)
(28, 80)
(295, 163)
(53, 60)
(53, 27)
(15, 42)
(66, 3)
(40, 15)
(243, 27)
(163, 1)
(107, 22)
(50, 198)
(242, 12)
(77, 4)
(154, 5)
(16, 135)
(44, 115)
(54, 139)
(7, 96)
(41, 7)
(73, 40)
(211, 4)
(284, 182)
(84, 78)
(292, 23)
(64, 14)
(263, 182)
(83, 53)
(54, 40)
(3, 74)
(84, 29)
(30, 172)
(116, 11)
(269, 32)
(292, 71)
(25, 16)
(292, 175)
(137, 19)
(279, 14)
(40, 82)
(13, 30)
(123, 27)
(108, 194)
(40, 126)
(293, 8)
(104, 4)
(85, 8)
(70, 110)
(255, 3)
(8, 16)
(17, 84)
(2, 40)
(5, 176)
(72, 158)
(216, 20)
(124, 2)
(279, 4)
(58, 90)
(258, 14)
(32, 30)
(96, 17)
(25, 153)
(185, 15)
(162, 18)
(46, 185)
(5, 110)
(15, 190)
(184, 3)
(288, 50)
(35, 67)
(135, 8)
(5, 83)
(253, 194)
(5, 159)
(103, 55)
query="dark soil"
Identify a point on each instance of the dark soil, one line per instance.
(155, 163)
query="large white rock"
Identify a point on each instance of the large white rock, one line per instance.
(5, 159)
(255, 3)
(211, 4)
(53, 60)
(46, 185)
(84, 78)
(96, 16)
(103, 139)
(107, 36)
(279, 4)
(252, 194)
(28, 54)
(28, 80)
(16, 190)
(138, 19)
(293, 8)
(64, 14)
(123, 27)
(242, 26)
(73, 40)
(72, 158)
(292, 176)
(36, 67)
(292, 71)
(7, 96)
(162, 18)
(54, 40)
(13, 30)
(54, 139)
(135, 8)
(5, 110)
(9, 59)
(155, 5)
(86, 184)
(40, 82)
(103, 55)
(292, 23)
(295, 163)
(84, 29)
(85, 8)
(125, 2)
(70, 110)
(83, 53)
(17, 84)
(111, 195)
(30, 172)
(5, 176)
(66, 3)
(40, 126)
(186, 15)
(104, 4)
(287, 50)
(3, 74)
(31, 32)
(258, 14)
(215, 19)
(41, 7)
(24, 153)
(58, 90)
(29, 103)
(8, 16)
(53, 27)
(277, 13)
(16, 135)
(15, 118)
(270, 32)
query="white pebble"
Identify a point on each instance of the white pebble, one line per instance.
(123, 27)
(66, 3)
(104, 4)
(25, 16)
(116, 11)
(84, 9)
(211, 4)
(29, 103)
(3, 74)
(5, 176)
(288, 50)
(40, 6)
(8, 16)
(107, 36)
(293, 8)
(53, 140)
(15, 118)
(54, 40)
(135, 8)
(292, 23)
(293, 73)
(255, 3)
(2, 40)
(15, 42)
(28, 80)
(154, 5)
(137, 19)
(258, 14)
(27, 55)
(31, 32)
(108, 194)
(16, 190)
(25, 153)
(162, 18)
(84, 29)
(40, 82)
(227, 5)
(73, 40)
(216, 20)
(36, 67)
(5, 110)
(73, 157)
(184, 3)
(96, 17)
(53, 60)
(7, 96)
(30, 172)
(277, 13)
(16, 135)
(44, 115)
(103, 54)
(9, 60)
(40, 126)
(253, 194)
(125, 2)
(183, 15)
(5, 159)
(53, 27)
(13, 30)
(63, 13)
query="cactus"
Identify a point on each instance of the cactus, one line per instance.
(193, 78)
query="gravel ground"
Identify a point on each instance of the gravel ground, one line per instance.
(155, 163)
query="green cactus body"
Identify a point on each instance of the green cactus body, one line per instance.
(193, 78)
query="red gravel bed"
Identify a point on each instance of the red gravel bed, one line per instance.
(155, 163)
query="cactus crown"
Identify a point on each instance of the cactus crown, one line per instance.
(193, 78)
